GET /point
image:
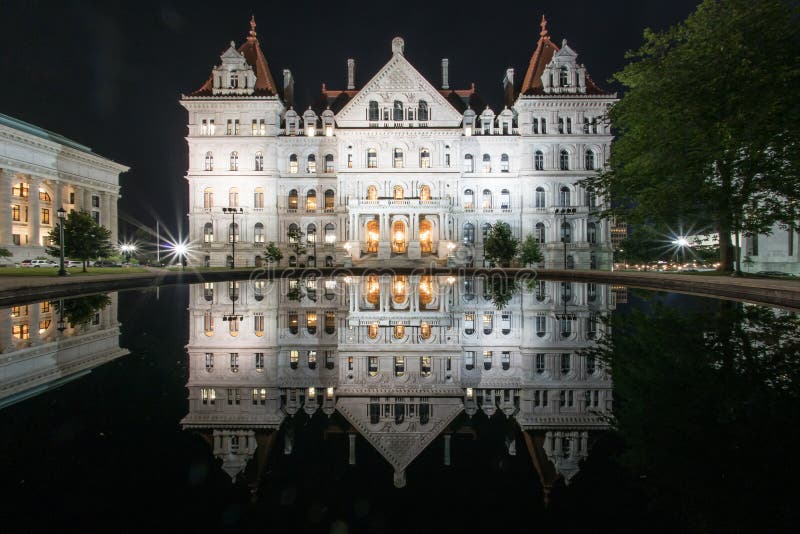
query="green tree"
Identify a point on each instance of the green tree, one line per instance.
(5, 253)
(530, 251)
(707, 125)
(81, 310)
(83, 238)
(295, 235)
(500, 245)
(272, 253)
(644, 244)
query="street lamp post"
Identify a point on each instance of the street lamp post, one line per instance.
(62, 216)
(233, 233)
(564, 212)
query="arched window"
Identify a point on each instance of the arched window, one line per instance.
(399, 331)
(311, 233)
(589, 160)
(293, 164)
(372, 158)
(233, 233)
(234, 161)
(564, 196)
(535, 125)
(469, 163)
(374, 114)
(538, 160)
(208, 291)
(538, 233)
(372, 333)
(422, 113)
(311, 327)
(328, 163)
(259, 163)
(329, 199)
(209, 161)
(539, 197)
(469, 234)
(293, 199)
(399, 193)
(311, 164)
(563, 77)
(487, 163)
(563, 160)
(486, 229)
(311, 200)
(233, 197)
(591, 198)
(330, 234)
(591, 233)
(487, 199)
(292, 261)
(469, 199)
(504, 163)
(293, 230)
(258, 233)
(398, 111)
(372, 193)
(425, 192)
(424, 158)
(397, 161)
(566, 232)
(208, 233)
(208, 198)
(505, 199)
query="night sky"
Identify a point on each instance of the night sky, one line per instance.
(109, 74)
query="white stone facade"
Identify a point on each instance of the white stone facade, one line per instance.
(41, 172)
(397, 169)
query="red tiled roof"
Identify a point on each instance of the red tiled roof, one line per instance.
(265, 84)
(542, 56)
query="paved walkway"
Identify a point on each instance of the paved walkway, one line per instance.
(785, 293)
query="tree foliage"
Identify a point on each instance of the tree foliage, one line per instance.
(500, 245)
(84, 239)
(81, 310)
(5, 253)
(530, 251)
(272, 253)
(707, 128)
(295, 236)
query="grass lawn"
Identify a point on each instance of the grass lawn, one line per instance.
(73, 271)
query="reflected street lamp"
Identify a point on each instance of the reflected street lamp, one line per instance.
(234, 235)
(62, 216)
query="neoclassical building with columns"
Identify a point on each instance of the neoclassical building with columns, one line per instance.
(396, 168)
(40, 172)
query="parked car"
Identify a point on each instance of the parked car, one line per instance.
(73, 263)
(773, 273)
(25, 263)
(106, 263)
(43, 263)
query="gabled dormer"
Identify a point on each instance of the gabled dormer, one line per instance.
(234, 76)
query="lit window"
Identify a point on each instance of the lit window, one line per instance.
(469, 163)
(293, 167)
(258, 198)
(259, 161)
(469, 360)
(373, 365)
(399, 366)
(398, 158)
(487, 163)
(487, 360)
(294, 356)
(234, 362)
(208, 198)
(504, 163)
(540, 363)
(329, 163)
(234, 161)
(425, 366)
(258, 324)
(208, 324)
(424, 158)
(372, 158)
(209, 361)
(311, 164)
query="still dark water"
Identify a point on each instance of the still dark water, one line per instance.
(558, 407)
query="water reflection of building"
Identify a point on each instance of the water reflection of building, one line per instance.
(42, 349)
(398, 357)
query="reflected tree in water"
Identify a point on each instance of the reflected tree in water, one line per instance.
(81, 310)
(706, 407)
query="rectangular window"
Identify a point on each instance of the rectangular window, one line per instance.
(236, 127)
(44, 307)
(294, 356)
(209, 395)
(229, 129)
(372, 365)
(540, 363)
(72, 197)
(209, 361)
(21, 331)
(565, 363)
(469, 360)
(234, 362)
(349, 363)
(95, 201)
(204, 127)
(260, 360)
(15, 238)
(349, 161)
(45, 216)
(234, 396)
(447, 160)
(255, 127)
(262, 127)
(96, 216)
(15, 212)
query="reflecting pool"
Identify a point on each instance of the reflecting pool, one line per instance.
(385, 403)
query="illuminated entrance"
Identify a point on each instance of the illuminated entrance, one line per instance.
(426, 236)
(399, 239)
(373, 236)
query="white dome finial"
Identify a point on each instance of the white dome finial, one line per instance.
(397, 45)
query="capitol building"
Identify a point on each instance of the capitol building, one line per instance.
(398, 168)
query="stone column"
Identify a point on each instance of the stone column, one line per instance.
(6, 179)
(34, 217)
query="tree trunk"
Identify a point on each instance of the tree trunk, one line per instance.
(84, 265)
(726, 249)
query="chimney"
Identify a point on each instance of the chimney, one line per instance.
(508, 88)
(351, 74)
(445, 73)
(288, 87)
